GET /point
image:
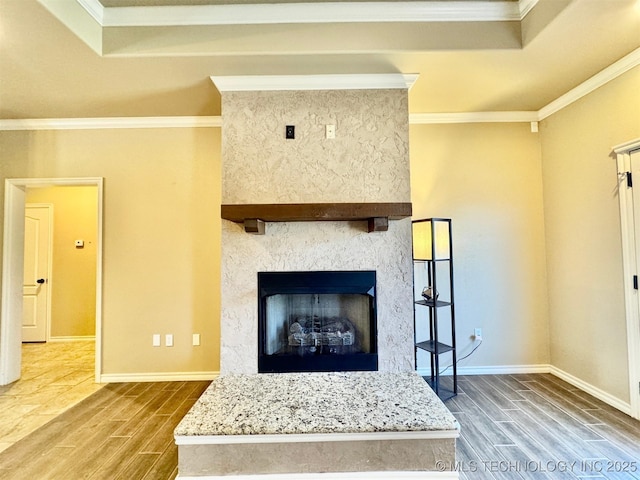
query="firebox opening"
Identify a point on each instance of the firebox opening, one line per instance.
(317, 321)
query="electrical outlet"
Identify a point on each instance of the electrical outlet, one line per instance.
(290, 132)
(477, 333)
(168, 340)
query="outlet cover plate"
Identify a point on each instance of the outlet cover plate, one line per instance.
(290, 132)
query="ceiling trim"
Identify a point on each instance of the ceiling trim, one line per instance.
(109, 123)
(612, 72)
(473, 117)
(245, 83)
(216, 121)
(323, 12)
(526, 6)
(93, 8)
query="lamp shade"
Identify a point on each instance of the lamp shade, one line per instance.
(431, 239)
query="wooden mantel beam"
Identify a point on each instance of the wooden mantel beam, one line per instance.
(376, 214)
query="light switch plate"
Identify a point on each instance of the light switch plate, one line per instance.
(196, 339)
(156, 340)
(168, 340)
(330, 131)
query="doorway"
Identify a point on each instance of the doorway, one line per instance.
(628, 164)
(13, 271)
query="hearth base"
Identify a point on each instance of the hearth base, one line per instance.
(317, 426)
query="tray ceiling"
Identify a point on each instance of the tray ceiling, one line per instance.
(119, 58)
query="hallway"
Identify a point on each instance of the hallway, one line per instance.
(55, 376)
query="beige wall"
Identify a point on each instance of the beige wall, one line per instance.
(73, 279)
(487, 179)
(161, 235)
(587, 318)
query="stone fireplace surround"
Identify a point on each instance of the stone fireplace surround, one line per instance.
(368, 161)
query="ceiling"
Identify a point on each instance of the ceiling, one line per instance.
(148, 58)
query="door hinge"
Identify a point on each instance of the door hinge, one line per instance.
(629, 180)
(635, 282)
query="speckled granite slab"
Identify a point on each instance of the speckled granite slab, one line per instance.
(302, 403)
(296, 424)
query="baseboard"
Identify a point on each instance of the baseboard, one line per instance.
(492, 370)
(88, 338)
(607, 398)
(330, 476)
(157, 377)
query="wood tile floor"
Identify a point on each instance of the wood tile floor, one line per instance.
(540, 427)
(123, 431)
(513, 427)
(54, 377)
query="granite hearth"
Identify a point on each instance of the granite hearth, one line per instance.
(328, 425)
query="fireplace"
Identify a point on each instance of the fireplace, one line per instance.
(367, 163)
(317, 321)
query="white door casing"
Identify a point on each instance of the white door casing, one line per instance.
(13, 270)
(36, 288)
(628, 165)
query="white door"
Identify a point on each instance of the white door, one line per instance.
(37, 255)
(633, 326)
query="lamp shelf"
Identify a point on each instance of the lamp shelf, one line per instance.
(432, 303)
(434, 347)
(432, 245)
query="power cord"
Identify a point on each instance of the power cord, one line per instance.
(460, 359)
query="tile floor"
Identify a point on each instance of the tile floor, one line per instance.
(55, 376)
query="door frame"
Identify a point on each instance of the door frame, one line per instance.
(13, 266)
(630, 262)
(50, 214)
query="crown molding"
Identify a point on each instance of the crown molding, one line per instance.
(309, 12)
(612, 72)
(216, 122)
(246, 83)
(108, 123)
(94, 8)
(526, 6)
(473, 117)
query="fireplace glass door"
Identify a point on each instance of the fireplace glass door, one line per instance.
(317, 321)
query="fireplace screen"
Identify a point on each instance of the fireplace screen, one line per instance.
(317, 321)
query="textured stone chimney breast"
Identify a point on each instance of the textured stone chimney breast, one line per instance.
(367, 161)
